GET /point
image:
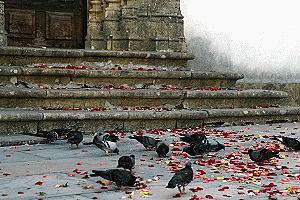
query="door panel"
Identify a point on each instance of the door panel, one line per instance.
(46, 23)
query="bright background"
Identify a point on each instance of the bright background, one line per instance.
(259, 33)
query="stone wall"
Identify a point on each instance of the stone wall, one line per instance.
(3, 40)
(136, 25)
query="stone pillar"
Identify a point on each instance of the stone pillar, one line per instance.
(96, 17)
(111, 24)
(3, 39)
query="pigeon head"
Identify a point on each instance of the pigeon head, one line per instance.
(132, 156)
(187, 150)
(188, 164)
(221, 146)
(250, 151)
(116, 151)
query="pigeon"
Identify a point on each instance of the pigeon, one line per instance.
(162, 149)
(75, 137)
(103, 137)
(126, 162)
(106, 137)
(262, 154)
(119, 176)
(107, 146)
(52, 136)
(193, 138)
(198, 148)
(148, 142)
(62, 132)
(203, 147)
(182, 178)
(291, 143)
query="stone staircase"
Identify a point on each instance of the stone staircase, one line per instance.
(40, 97)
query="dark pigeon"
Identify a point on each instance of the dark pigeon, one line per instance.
(62, 132)
(148, 142)
(162, 149)
(203, 147)
(182, 178)
(262, 154)
(193, 138)
(75, 137)
(52, 136)
(119, 176)
(291, 143)
(126, 162)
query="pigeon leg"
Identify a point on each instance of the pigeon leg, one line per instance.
(183, 190)
(179, 188)
(77, 146)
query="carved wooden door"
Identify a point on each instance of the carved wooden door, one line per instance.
(46, 23)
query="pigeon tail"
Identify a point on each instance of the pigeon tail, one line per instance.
(278, 138)
(103, 174)
(171, 185)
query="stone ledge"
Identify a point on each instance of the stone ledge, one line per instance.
(242, 112)
(139, 93)
(30, 71)
(11, 114)
(30, 121)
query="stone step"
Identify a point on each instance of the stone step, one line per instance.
(31, 121)
(97, 76)
(11, 97)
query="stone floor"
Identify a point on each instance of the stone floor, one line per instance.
(40, 171)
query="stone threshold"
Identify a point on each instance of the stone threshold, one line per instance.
(28, 56)
(74, 53)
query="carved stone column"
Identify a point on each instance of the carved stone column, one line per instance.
(3, 38)
(96, 16)
(129, 26)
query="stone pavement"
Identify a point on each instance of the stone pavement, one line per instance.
(40, 171)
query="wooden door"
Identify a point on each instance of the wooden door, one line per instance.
(46, 23)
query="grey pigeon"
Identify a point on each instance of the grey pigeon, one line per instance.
(196, 149)
(162, 149)
(215, 146)
(107, 146)
(119, 176)
(182, 178)
(262, 154)
(193, 138)
(52, 136)
(291, 143)
(106, 137)
(75, 137)
(148, 142)
(126, 162)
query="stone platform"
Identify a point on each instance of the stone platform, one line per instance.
(40, 171)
